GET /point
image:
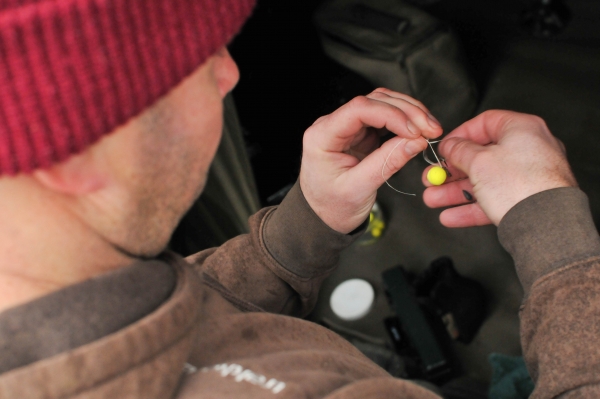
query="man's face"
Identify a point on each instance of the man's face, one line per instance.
(161, 159)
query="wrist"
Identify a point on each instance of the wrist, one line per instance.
(547, 231)
(299, 240)
(519, 193)
(341, 217)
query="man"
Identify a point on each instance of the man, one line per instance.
(93, 307)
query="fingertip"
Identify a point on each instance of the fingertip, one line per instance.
(443, 221)
(448, 219)
(428, 197)
(467, 215)
(433, 119)
(433, 122)
(433, 133)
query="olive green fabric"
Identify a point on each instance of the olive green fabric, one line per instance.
(397, 46)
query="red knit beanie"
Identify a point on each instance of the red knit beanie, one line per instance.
(72, 71)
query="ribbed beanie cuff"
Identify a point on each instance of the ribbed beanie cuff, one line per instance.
(72, 71)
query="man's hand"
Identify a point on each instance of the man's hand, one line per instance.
(342, 164)
(499, 158)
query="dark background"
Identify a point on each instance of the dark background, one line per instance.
(287, 82)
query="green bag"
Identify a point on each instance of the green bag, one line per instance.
(398, 46)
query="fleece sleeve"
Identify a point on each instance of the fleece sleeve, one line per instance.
(556, 248)
(279, 266)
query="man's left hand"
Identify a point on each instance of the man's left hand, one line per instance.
(342, 163)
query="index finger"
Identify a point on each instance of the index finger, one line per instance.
(336, 132)
(486, 128)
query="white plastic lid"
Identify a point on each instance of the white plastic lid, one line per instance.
(352, 299)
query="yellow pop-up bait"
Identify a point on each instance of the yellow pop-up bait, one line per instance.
(437, 175)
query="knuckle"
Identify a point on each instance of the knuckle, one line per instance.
(500, 114)
(382, 90)
(422, 118)
(309, 137)
(419, 104)
(378, 95)
(538, 120)
(319, 120)
(397, 113)
(359, 102)
(510, 118)
(500, 119)
(504, 118)
(394, 164)
(491, 113)
(541, 123)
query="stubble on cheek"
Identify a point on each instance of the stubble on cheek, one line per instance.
(178, 143)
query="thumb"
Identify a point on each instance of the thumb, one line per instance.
(460, 152)
(388, 159)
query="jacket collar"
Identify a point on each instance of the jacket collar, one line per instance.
(107, 337)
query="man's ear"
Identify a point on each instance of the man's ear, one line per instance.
(76, 176)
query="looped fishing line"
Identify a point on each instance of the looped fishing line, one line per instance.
(424, 156)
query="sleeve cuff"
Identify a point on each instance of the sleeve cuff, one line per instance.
(300, 241)
(548, 230)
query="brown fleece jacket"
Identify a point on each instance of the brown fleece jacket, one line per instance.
(221, 324)
(556, 248)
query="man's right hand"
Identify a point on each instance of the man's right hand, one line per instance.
(499, 158)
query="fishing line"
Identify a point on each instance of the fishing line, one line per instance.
(440, 163)
(385, 164)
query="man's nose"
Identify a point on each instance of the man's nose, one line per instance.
(226, 71)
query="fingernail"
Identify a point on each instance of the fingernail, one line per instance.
(413, 147)
(433, 122)
(467, 195)
(412, 128)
